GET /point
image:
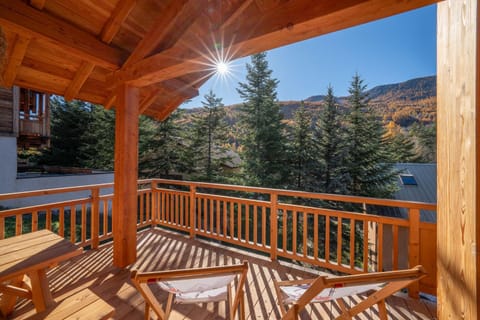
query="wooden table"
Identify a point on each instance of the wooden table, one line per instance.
(24, 261)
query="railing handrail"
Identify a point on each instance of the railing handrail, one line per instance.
(303, 194)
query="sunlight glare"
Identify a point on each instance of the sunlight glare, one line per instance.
(223, 67)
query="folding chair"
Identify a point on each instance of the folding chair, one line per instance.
(299, 293)
(196, 285)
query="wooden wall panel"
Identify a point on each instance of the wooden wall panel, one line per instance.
(458, 160)
(6, 111)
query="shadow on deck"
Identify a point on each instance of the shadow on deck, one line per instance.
(162, 250)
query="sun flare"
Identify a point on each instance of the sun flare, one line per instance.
(222, 67)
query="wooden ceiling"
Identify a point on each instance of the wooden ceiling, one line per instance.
(81, 49)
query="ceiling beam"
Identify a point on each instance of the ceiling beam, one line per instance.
(236, 12)
(119, 14)
(80, 77)
(173, 22)
(27, 21)
(15, 60)
(110, 29)
(269, 30)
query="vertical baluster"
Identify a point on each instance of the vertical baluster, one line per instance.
(217, 227)
(34, 221)
(247, 222)
(232, 220)
(225, 224)
(84, 223)
(327, 238)
(2, 227)
(273, 225)
(18, 224)
(366, 247)
(294, 231)
(305, 233)
(255, 224)
(315, 236)
(182, 210)
(239, 217)
(193, 207)
(339, 240)
(48, 219)
(141, 211)
(95, 218)
(284, 230)
(264, 226)
(61, 222)
(73, 231)
(352, 243)
(105, 217)
(380, 248)
(395, 247)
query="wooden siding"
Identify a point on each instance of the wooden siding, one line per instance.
(162, 250)
(6, 111)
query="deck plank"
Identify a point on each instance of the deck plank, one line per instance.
(162, 250)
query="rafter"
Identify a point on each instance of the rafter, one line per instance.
(242, 5)
(173, 21)
(27, 21)
(15, 60)
(120, 13)
(80, 77)
(310, 18)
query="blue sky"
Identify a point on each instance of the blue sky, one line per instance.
(390, 50)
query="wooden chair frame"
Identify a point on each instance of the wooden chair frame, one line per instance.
(235, 302)
(395, 281)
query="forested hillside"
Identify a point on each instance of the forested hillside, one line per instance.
(405, 103)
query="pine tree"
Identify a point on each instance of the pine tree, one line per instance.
(426, 137)
(100, 139)
(331, 147)
(209, 140)
(303, 152)
(69, 123)
(366, 165)
(399, 146)
(162, 147)
(262, 130)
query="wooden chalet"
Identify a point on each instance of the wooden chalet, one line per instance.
(148, 56)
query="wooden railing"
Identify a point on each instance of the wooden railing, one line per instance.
(303, 226)
(84, 219)
(300, 226)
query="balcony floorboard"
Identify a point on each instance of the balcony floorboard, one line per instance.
(161, 250)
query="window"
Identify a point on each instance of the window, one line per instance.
(408, 180)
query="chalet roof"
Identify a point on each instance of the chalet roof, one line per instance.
(82, 49)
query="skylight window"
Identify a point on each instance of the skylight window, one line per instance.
(408, 180)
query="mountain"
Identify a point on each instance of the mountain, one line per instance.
(405, 103)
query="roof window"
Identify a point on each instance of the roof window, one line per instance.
(408, 180)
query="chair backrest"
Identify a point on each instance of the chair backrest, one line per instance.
(188, 284)
(325, 288)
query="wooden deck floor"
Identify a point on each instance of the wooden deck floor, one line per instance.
(162, 250)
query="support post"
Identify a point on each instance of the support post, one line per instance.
(126, 174)
(414, 248)
(95, 222)
(193, 205)
(458, 158)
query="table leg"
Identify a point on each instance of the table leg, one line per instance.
(41, 295)
(7, 303)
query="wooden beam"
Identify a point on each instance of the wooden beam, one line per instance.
(179, 15)
(15, 60)
(149, 100)
(236, 13)
(126, 173)
(80, 77)
(38, 4)
(175, 13)
(120, 13)
(291, 22)
(20, 18)
(458, 160)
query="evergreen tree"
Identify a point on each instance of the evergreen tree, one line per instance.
(399, 146)
(366, 165)
(69, 123)
(426, 137)
(162, 147)
(209, 140)
(303, 152)
(331, 147)
(100, 139)
(263, 132)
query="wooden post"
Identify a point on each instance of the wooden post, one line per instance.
(95, 220)
(154, 204)
(273, 225)
(414, 248)
(126, 171)
(193, 205)
(458, 133)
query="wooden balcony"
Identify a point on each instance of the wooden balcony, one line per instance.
(288, 235)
